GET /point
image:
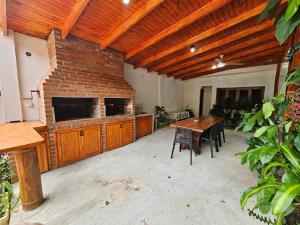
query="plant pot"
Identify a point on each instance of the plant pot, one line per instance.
(5, 219)
(160, 124)
(294, 217)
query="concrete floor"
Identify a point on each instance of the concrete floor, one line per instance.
(140, 185)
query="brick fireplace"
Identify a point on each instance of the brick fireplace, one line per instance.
(80, 69)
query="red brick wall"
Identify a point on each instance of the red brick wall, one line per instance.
(80, 69)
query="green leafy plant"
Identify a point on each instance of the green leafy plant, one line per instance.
(161, 114)
(231, 111)
(274, 151)
(6, 189)
(286, 18)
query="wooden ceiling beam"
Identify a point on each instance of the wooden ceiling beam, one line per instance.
(198, 14)
(130, 22)
(268, 43)
(262, 63)
(224, 51)
(212, 31)
(3, 17)
(255, 58)
(73, 16)
(217, 44)
(242, 59)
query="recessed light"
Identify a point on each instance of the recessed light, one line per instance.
(193, 48)
(126, 2)
(214, 67)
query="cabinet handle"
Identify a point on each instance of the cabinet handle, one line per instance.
(121, 125)
(81, 132)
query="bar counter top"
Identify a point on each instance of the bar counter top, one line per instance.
(20, 136)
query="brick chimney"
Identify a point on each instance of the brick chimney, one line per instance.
(80, 69)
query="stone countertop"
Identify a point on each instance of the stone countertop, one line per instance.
(19, 136)
(144, 114)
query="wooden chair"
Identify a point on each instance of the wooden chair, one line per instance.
(183, 137)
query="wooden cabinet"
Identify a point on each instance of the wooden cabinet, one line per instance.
(118, 134)
(144, 125)
(126, 130)
(91, 140)
(43, 153)
(77, 143)
(68, 146)
(113, 135)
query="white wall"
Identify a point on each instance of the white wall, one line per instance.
(172, 94)
(247, 77)
(31, 70)
(152, 89)
(9, 83)
(19, 74)
(146, 86)
(206, 100)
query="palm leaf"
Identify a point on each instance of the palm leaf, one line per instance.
(253, 191)
(293, 157)
(284, 198)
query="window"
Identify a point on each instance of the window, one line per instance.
(255, 94)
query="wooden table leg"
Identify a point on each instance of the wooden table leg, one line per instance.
(31, 192)
(197, 142)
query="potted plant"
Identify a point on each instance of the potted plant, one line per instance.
(161, 115)
(4, 204)
(6, 190)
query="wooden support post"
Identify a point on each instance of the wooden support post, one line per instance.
(277, 77)
(30, 185)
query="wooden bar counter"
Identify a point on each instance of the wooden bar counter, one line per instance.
(22, 139)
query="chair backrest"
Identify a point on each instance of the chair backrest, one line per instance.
(184, 136)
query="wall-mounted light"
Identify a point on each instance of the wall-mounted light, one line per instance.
(126, 2)
(193, 48)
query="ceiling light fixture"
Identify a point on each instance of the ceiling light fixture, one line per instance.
(126, 2)
(193, 48)
(219, 65)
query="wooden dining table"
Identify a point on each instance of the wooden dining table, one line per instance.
(199, 125)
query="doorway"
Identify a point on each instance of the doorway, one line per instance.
(205, 100)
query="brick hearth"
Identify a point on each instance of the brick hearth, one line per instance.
(80, 69)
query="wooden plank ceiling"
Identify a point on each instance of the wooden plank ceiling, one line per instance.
(157, 34)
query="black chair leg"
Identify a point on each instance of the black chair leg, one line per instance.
(191, 155)
(217, 146)
(180, 147)
(223, 135)
(211, 150)
(220, 139)
(173, 149)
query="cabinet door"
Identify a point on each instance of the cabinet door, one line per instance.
(91, 140)
(113, 135)
(139, 123)
(126, 132)
(42, 153)
(147, 125)
(69, 146)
